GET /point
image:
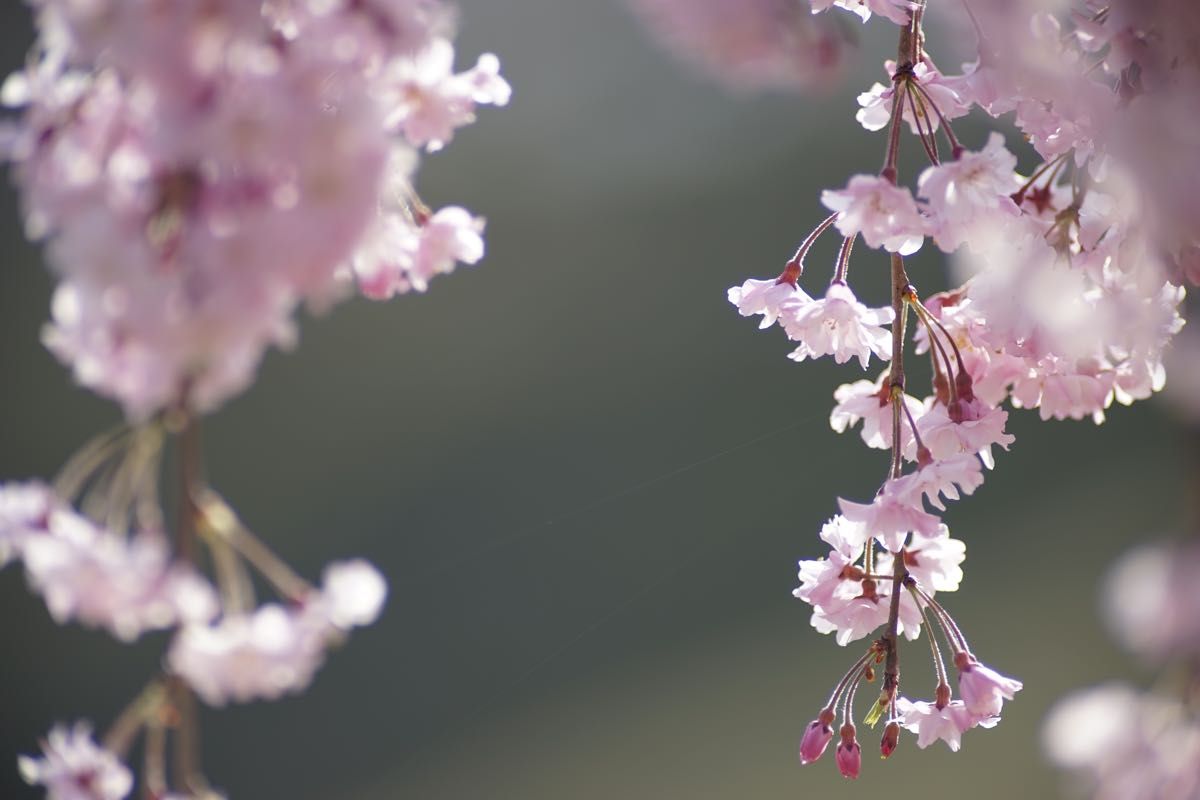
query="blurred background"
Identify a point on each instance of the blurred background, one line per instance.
(587, 479)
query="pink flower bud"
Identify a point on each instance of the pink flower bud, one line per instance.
(849, 754)
(816, 737)
(891, 738)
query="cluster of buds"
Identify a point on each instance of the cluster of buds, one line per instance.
(1071, 281)
(198, 169)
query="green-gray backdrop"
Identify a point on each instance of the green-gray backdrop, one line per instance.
(587, 479)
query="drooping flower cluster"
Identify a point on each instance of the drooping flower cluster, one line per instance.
(197, 169)
(1071, 281)
(200, 168)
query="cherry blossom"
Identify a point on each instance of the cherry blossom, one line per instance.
(983, 689)
(891, 516)
(932, 724)
(960, 192)
(934, 89)
(869, 401)
(429, 101)
(276, 650)
(74, 767)
(934, 561)
(127, 586)
(837, 325)
(940, 479)
(964, 428)
(767, 298)
(260, 656)
(884, 214)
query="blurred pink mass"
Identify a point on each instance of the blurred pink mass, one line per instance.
(200, 168)
(750, 44)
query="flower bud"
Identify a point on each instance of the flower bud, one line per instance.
(849, 753)
(816, 737)
(891, 738)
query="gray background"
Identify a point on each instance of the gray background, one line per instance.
(586, 477)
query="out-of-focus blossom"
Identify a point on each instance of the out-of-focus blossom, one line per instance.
(74, 767)
(211, 166)
(102, 579)
(276, 650)
(1122, 744)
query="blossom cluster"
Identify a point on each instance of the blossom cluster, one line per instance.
(1071, 278)
(197, 170)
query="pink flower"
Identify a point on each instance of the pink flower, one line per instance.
(948, 478)
(837, 325)
(931, 723)
(876, 103)
(848, 754)
(1065, 388)
(429, 101)
(983, 689)
(870, 402)
(397, 257)
(885, 215)
(767, 298)
(125, 585)
(276, 650)
(73, 767)
(816, 737)
(979, 427)
(891, 517)
(960, 193)
(260, 656)
(935, 561)
(867, 612)
(830, 583)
